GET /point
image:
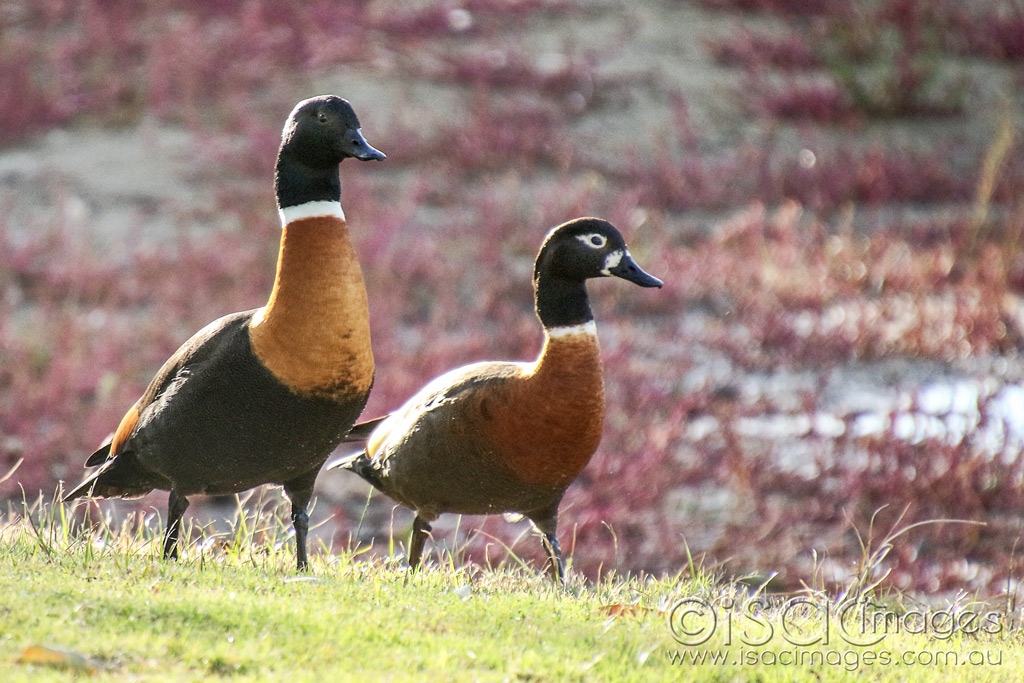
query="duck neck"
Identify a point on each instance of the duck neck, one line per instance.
(561, 302)
(564, 310)
(570, 353)
(314, 332)
(297, 183)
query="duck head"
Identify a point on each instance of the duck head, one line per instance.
(573, 253)
(319, 134)
(586, 248)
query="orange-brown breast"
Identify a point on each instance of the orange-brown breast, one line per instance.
(314, 332)
(549, 425)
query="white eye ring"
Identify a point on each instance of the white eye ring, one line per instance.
(593, 240)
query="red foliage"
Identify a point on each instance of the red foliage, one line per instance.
(991, 30)
(751, 49)
(795, 8)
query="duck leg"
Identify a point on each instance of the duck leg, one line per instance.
(176, 506)
(299, 492)
(556, 563)
(420, 531)
(546, 522)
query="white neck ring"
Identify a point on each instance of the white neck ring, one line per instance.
(588, 329)
(316, 209)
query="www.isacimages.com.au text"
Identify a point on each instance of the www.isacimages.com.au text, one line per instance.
(851, 660)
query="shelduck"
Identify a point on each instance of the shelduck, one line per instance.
(508, 437)
(263, 396)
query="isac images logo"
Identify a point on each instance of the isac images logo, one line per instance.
(807, 631)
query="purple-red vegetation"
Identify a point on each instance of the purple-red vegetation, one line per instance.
(849, 479)
(807, 265)
(851, 61)
(757, 49)
(503, 135)
(823, 176)
(802, 99)
(796, 8)
(991, 30)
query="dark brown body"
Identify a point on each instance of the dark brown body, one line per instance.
(495, 437)
(221, 422)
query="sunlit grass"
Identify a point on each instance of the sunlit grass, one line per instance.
(95, 598)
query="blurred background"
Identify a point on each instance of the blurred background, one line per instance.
(832, 192)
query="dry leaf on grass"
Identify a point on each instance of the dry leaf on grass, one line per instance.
(42, 655)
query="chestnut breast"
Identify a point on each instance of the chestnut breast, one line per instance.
(314, 332)
(545, 426)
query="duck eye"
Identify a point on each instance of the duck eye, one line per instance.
(593, 240)
(322, 117)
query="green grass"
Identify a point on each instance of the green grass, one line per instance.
(233, 608)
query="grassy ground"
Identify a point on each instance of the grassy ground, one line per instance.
(98, 601)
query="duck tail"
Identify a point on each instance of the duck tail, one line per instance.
(118, 477)
(359, 463)
(361, 431)
(355, 461)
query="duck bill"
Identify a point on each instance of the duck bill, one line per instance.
(627, 269)
(366, 152)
